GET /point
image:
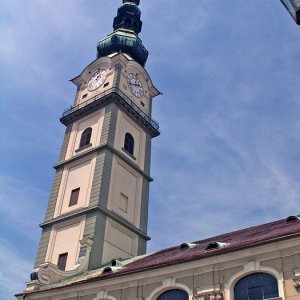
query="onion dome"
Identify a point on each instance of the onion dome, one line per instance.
(129, 17)
(127, 25)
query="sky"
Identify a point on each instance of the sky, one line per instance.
(228, 155)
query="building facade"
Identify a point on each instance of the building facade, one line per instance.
(262, 262)
(93, 242)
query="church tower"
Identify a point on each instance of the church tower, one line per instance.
(98, 207)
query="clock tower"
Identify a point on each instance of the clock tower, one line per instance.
(98, 206)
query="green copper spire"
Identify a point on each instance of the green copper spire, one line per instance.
(129, 16)
(127, 25)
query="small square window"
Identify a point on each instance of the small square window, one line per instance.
(123, 202)
(62, 261)
(74, 197)
(106, 84)
(84, 96)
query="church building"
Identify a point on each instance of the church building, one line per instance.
(94, 236)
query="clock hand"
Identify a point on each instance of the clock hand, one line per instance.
(135, 84)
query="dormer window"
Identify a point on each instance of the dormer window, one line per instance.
(292, 219)
(184, 246)
(129, 143)
(85, 137)
(215, 245)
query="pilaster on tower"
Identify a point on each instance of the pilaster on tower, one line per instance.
(98, 207)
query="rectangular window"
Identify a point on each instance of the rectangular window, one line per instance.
(62, 261)
(74, 197)
(84, 96)
(106, 84)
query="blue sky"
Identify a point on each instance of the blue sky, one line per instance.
(228, 155)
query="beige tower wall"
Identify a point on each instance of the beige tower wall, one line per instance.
(119, 242)
(114, 185)
(75, 175)
(124, 125)
(125, 192)
(65, 238)
(94, 121)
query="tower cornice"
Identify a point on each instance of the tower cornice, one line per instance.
(114, 94)
(117, 218)
(100, 148)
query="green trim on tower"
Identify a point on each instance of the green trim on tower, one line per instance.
(97, 179)
(147, 154)
(142, 246)
(43, 247)
(129, 17)
(65, 144)
(101, 179)
(109, 125)
(95, 229)
(53, 195)
(144, 206)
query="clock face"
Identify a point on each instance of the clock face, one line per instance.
(97, 80)
(135, 85)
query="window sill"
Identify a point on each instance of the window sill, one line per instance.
(133, 157)
(84, 147)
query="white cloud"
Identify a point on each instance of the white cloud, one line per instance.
(14, 270)
(21, 207)
(227, 157)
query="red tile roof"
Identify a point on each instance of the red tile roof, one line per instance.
(236, 240)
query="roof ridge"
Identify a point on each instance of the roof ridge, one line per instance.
(221, 237)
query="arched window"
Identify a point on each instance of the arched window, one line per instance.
(129, 143)
(257, 286)
(174, 295)
(85, 137)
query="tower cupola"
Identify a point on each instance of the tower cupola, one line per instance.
(129, 16)
(127, 25)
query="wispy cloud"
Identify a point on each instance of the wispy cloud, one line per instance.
(228, 154)
(21, 202)
(14, 270)
(21, 209)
